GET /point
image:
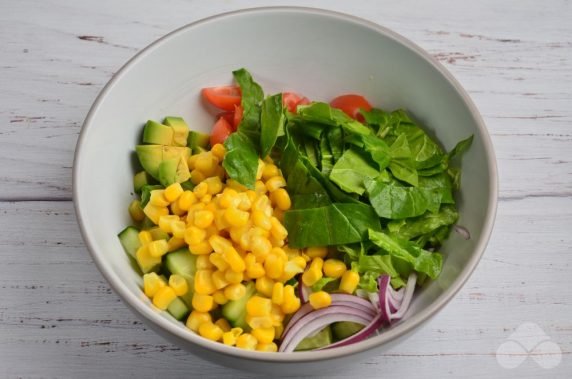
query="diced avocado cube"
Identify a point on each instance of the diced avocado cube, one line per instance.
(151, 156)
(198, 139)
(140, 179)
(173, 171)
(180, 130)
(157, 134)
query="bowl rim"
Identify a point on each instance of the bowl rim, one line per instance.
(150, 315)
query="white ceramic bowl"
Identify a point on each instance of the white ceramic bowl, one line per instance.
(315, 52)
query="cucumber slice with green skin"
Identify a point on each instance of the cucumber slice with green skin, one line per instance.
(183, 263)
(129, 238)
(178, 309)
(235, 311)
(320, 339)
(344, 329)
(141, 179)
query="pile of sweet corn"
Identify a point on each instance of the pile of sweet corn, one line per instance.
(238, 236)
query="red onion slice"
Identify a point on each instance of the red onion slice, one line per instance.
(383, 284)
(319, 319)
(463, 232)
(408, 295)
(303, 292)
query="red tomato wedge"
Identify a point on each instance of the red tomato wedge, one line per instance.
(291, 100)
(237, 116)
(223, 97)
(228, 116)
(221, 130)
(351, 104)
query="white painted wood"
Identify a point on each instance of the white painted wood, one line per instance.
(58, 317)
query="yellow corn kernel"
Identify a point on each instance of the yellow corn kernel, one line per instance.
(236, 217)
(267, 347)
(163, 297)
(274, 266)
(219, 281)
(230, 337)
(233, 277)
(194, 235)
(219, 297)
(244, 203)
(218, 151)
(192, 210)
(197, 176)
(282, 199)
(276, 242)
(206, 163)
(278, 230)
(261, 220)
(278, 330)
(320, 299)
(275, 182)
(269, 171)
(317, 252)
(264, 285)
(219, 220)
(191, 161)
(135, 211)
(203, 219)
(234, 260)
(255, 271)
(152, 283)
(203, 282)
(313, 273)
(175, 243)
(178, 229)
(154, 212)
(276, 315)
(214, 185)
(349, 282)
(203, 263)
(201, 189)
(258, 321)
(229, 198)
(263, 335)
(165, 222)
(258, 306)
(260, 247)
(173, 191)
(202, 303)
(178, 284)
(291, 303)
(158, 248)
(299, 261)
(279, 252)
(334, 268)
(145, 261)
(260, 187)
(262, 203)
(259, 169)
(234, 291)
(220, 172)
(176, 210)
(218, 261)
(219, 244)
(210, 331)
(278, 293)
(197, 318)
(186, 199)
(206, 199)
(249, 260)
(158, 198)
(223, 324)
(306, 257)
(201, 248)
(246, 341)
(145, 237)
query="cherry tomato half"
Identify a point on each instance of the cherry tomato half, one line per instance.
(223, 97)
(237, 116)
(221, 130)
(351, 105)
(291, 101)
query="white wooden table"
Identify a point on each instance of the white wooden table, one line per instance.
(58, 316)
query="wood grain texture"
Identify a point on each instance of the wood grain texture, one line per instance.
(58, 316)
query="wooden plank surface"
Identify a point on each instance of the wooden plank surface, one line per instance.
(58, 316)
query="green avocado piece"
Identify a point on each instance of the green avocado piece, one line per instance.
(320, 339)
(140, 179)
(344, 329)
(151, 156)
(198, 140)
(173, 171)
(157, 134)
(180, 130)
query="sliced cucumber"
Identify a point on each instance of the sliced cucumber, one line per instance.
(235, 311)
(182, 262)
(344, 329)
(320, 339)
(178, 309)
(129, 238)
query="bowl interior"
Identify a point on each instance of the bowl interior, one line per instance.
(316, 53)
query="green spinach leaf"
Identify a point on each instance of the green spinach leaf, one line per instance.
(424, 224)
(252, 95)
(350, 170)
(272, 121)
(241, 159)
